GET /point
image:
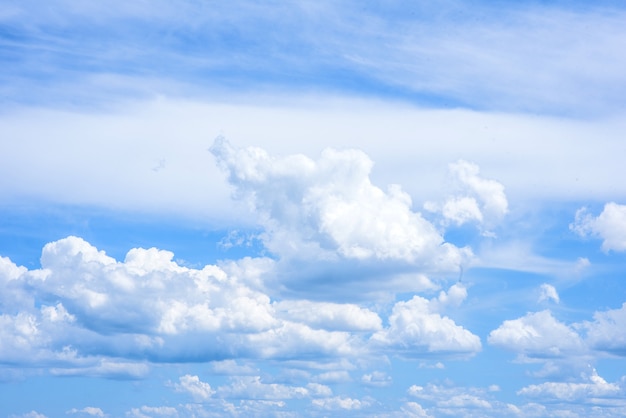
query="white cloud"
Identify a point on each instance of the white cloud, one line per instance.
(341, 403)
(414, 410)
(105, 314)
(537, 335)
(415, 331)
(547, 293)
(460, 210)
(88, 410)
(94, 366)
(31, 414)
(465, 401)
(291, 340)
(490, 193)
(455, 295)
(610, 226)
(329, 207)
(466, 59)
(201, 391)
(329, 316)
(476, 200)
(376, 379)
(164, 411)
(593, 389)
(251, 387)
(450, 400)
(114, 178)
(607, 331)
(335, 376)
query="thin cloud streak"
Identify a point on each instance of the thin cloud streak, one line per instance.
(525, 58)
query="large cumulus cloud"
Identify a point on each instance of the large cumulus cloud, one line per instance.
(84, 312)
(327, 212)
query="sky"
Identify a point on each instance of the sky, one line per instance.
(312, 209)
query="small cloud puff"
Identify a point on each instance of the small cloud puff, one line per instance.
(199, 390)
(479, 200)
(607, 331)
(610, 226)
(416, 330)
(329, 208)
(31, 414)
(376, 379)
(547, 293)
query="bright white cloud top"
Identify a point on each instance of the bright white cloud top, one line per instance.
(312, 209)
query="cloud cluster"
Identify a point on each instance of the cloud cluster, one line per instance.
(85, 312)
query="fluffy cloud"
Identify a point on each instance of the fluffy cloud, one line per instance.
(610, 226)
(95, 312)
(252, 387)
(592, 389)
(329, 316)
(328, 208)
(607, 332)
(415, 330)
(537, 335)
(100, 315)
(200, 390)
(479, 200)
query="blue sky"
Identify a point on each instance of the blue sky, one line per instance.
(312, 209)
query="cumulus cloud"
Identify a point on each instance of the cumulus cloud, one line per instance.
(415, 410)
(201, 391)
(252, 387)
(455, 295)
(329, 208)
(537, 335)
(112, 319)
(415, 331)
(607, 331)
(591, 389)
(341, 403)
(31, 414)
(329, 316)
(479, 200)
(152, 411)
(97, 315)
(610, 226)
(232, 368)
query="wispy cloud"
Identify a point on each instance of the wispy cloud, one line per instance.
(523, 57)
